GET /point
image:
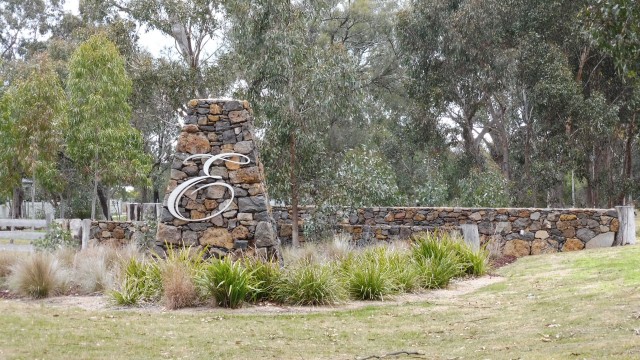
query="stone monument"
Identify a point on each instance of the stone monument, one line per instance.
(216, 197)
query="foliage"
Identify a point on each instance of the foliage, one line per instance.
(226, 281)
(141, 281)
(56, 238)
(370, 276)
(31, 124)
(22, 22)
(38, 275)
(102, 142)
(308, 283)
(615, 27)
(484, 189)
(265, 275)
(364, 178)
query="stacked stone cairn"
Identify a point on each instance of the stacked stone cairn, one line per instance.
(246, 226)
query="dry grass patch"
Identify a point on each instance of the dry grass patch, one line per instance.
(179, 290)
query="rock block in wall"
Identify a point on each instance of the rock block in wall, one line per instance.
(585, 234)
(168, 234)
(542, 246)
(193, 143)
(517, 248)
(217, 237)
(602, 240)
(573, 244)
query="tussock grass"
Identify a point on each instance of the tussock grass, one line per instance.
(94, 270)
(263, 280)
(226, 281)
(141, 282)
(179, 291)
(308, 283)
(370, 274)
(7, 260)
(38, 275)
(178, 272)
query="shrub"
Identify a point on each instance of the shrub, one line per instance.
(226, 281)
(142, 281)
(55, 238)
(179, 290)
(310, 284)
(264, 277)
(37, 276)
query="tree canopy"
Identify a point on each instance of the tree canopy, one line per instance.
(356, 102)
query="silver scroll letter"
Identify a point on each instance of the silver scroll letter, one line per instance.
(177, 194)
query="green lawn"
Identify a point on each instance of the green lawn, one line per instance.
(583, 305)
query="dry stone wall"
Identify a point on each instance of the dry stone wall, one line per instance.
(216, 127)
(120, 233)
(513, 231)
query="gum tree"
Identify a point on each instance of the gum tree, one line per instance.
(300, 84)
(101, 141)
(30, 131)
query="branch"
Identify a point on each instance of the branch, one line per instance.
(402, 352)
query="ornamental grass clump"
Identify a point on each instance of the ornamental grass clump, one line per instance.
(141, 282)
(94, 270)
(264, 277)
(369, 276)
(179, 290)
(38, 275)
(307, 283)
(436, 259)
(178, 277)
(7, 260)
(225, 281)
(474, 263)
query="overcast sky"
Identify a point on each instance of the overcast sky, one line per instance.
(154, 41)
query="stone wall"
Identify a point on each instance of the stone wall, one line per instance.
(513, 231)
(119, 233)
(216, 127)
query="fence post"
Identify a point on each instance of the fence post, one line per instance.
(471, 236)
(627, 232)
(86, 232)
(49, 219)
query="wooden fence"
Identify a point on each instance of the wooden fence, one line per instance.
(24, 229)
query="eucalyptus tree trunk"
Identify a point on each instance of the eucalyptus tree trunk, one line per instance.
(295, 241)
(95, 192)
(16, 203)
(33, 197)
